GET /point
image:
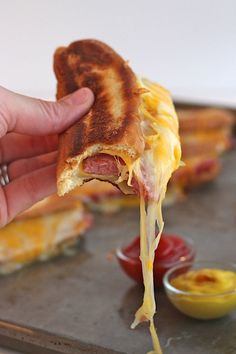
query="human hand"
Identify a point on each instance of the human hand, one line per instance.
(28, 145)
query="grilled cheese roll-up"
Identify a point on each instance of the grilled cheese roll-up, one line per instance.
(110, 141)
(196, 171)
(41, 237)
(49, 205)
(206, 142)
(106, 141)
(129, 138)
(208, 119)
(205, 131)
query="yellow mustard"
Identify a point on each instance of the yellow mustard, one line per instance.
(209, 293)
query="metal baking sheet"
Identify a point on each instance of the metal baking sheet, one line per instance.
(85, 304)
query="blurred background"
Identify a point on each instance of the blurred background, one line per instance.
(187, 46)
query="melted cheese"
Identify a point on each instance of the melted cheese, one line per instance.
(154, 169)
(38, 238)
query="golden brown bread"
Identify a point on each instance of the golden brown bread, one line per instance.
(197, 171)
(113, 122)
(198, 143)
(50, 205)
(40, 238)
(95, 190)
(205, 131)
(204, 119)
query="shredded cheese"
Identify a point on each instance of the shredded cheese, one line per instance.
(154, 169)
(23, 241)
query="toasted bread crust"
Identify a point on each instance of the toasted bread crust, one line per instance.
(196, 172)
(114, 118)
(204, 119)
(51, 205)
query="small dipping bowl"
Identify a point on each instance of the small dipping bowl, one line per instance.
(207, 305)
(171, 251)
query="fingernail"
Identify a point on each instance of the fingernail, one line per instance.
(80, 96)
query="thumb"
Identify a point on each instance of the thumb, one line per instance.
(33, 116)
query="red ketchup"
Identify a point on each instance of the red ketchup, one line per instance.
(172, 250)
